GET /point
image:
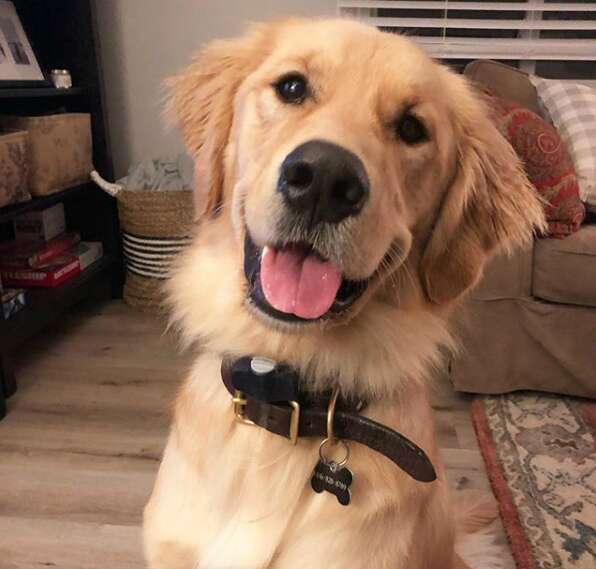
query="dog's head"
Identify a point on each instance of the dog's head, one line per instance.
(351, 167)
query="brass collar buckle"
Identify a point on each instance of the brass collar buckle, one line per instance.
(239, 403)
(295, 421)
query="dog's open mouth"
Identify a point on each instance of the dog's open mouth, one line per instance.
(295, 284)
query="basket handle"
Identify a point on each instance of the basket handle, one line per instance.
(108, 187)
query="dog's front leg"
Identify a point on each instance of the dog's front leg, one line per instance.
(170, 525)
(170, 555)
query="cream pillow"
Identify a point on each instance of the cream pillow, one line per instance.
(572, 109)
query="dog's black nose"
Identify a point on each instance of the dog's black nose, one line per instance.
(324, 181)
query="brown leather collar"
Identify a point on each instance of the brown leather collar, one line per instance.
(271, 399)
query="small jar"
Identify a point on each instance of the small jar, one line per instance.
(61, 78)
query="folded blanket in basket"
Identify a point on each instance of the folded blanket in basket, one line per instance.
(160, 174)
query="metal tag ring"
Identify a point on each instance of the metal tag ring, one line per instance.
(339, 463)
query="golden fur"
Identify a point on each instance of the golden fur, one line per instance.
(232, 496)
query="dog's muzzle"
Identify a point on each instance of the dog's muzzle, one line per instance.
(299, 277)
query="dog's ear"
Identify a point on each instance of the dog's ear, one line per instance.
(202, 102)
(490, 203)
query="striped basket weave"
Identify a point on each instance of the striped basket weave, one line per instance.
(156, 226)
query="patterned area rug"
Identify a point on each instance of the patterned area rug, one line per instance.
(540, 453)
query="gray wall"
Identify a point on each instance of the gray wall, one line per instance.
(144, 41)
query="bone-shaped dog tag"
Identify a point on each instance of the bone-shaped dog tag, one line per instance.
(331, 477)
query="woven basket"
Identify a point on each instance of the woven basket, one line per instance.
(14, 167)
(59, 150)
(156, 226)
(144, 293)
(155, 213)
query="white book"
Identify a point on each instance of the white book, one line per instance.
(87, 252)
(44, 224)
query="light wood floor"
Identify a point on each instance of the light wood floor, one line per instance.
(81, 443)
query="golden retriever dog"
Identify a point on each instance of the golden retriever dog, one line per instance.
(350, 190)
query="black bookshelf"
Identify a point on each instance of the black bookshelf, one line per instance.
(39, 92)
(9, 212)
(63, 35)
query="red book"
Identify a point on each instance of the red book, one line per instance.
(32, 254)
(48, 276)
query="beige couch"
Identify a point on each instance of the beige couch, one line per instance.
(531, 322)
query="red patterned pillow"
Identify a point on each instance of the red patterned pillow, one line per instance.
(547, 163)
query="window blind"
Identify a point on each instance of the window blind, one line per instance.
(531, 31)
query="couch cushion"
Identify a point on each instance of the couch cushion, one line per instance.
(504, 81)
(565, 270)
(546, 162)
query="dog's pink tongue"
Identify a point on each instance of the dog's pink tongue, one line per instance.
(296, 283)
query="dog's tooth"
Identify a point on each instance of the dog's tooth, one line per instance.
(266, 250)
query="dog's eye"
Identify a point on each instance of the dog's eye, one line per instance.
(410, 129)
(292, 88)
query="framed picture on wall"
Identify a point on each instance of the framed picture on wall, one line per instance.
(18, 65)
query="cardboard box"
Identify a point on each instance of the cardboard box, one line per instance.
(44, 224)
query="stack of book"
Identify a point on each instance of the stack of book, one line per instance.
(43, 253)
